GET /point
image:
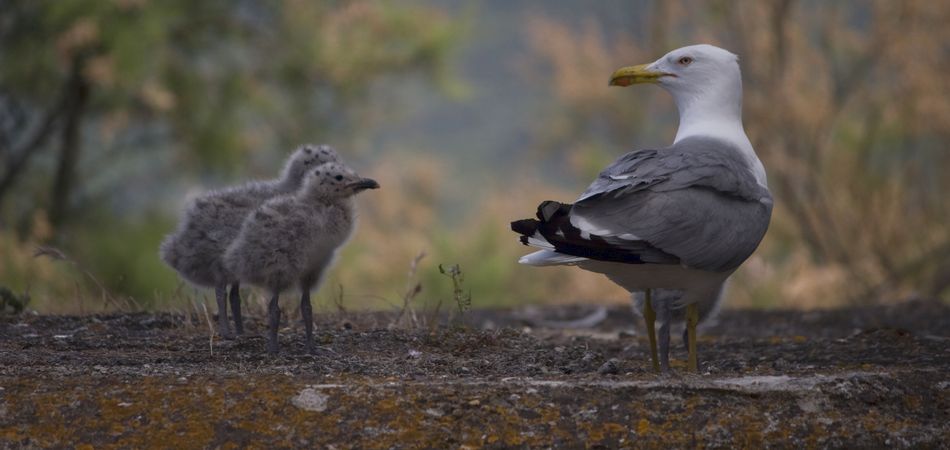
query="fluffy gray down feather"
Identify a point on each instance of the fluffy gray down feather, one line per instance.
(211, 221)
(291, 240)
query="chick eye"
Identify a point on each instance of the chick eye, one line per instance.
(685, 61)
(339, 177)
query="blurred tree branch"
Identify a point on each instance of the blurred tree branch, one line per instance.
(70, 144)
(16, 160)
(217, 80)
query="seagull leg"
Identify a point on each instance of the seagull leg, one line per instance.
(306, 314)
(666, 316)
(649, 315)
(236, 308)
(273, 321)
(692, 319)
(220, 295)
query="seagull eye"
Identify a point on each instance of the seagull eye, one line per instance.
(685, 61)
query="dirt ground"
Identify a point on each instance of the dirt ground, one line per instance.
(865, 377)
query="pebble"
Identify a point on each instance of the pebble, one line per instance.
(310, 400)
(611, 367)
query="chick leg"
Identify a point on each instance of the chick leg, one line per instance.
(236, 308)
(666, 318)
(686, 338)
(220, 295)
(273, 322)
(649, 315)
(692, 319)
(306, 314)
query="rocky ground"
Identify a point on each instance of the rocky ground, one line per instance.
(865, 377)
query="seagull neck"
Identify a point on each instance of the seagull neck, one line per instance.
(712, 113)
(718, 114)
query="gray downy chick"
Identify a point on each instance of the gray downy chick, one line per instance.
(211, 221)
(291, 240)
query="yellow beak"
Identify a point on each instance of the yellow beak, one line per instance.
(636, 75)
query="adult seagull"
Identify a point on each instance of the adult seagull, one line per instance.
(682, 217)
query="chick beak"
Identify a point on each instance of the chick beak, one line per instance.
(363, 184)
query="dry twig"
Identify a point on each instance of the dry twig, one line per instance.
(413, 288)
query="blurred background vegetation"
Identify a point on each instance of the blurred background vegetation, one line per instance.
(114, 112)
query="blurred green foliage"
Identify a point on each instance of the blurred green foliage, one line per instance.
(104, 101)
(219, 78)
(12, 304)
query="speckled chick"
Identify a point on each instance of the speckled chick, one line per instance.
(211, 221)
(291, 240)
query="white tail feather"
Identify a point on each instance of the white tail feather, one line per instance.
(549, 258)
(540, 242)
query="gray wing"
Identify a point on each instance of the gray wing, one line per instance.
(697, 200)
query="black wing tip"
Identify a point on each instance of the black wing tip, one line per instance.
(553, 224)
(549, 209)
(525, 227)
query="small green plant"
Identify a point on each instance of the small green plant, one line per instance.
(462, 299)
(12, 304)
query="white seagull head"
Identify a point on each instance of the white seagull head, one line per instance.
(702, 76)
(706, 85)
(697, 70)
